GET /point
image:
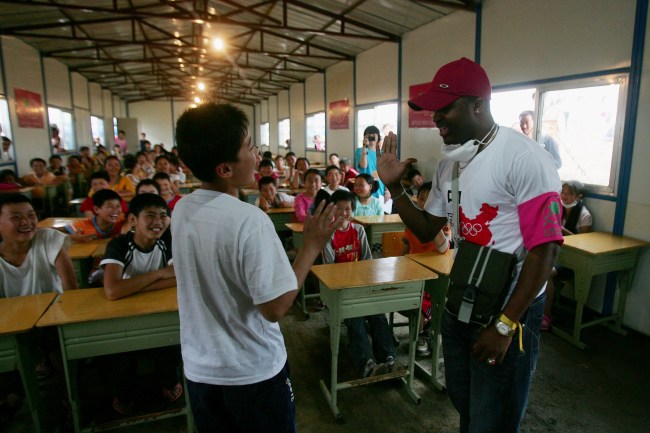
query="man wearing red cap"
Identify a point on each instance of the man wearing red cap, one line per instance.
(509, 201)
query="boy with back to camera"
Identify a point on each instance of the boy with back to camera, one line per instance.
(231, 291)
(134, 262)
(350, 244)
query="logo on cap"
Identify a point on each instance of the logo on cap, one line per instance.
(444, 86)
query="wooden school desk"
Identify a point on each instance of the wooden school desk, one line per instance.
(368, 287)
(249, 195)
(83, 254)
(57, 223)
(376, 225)
(440, 264)
(90, 325)
(26, 191)
(280, 217)
(19, 315)
(591, 254)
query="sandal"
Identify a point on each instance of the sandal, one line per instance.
(122, 408)
(172, 395)
(546, 323)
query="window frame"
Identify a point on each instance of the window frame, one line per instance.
(309, 137)
(281, 140)
(68, 137)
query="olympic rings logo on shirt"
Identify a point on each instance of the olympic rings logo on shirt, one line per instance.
(471, 229)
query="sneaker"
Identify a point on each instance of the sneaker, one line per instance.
(546, 323)
(380, 369)
(393, 365)
(319, 306)
(369, 368)
(423, 346)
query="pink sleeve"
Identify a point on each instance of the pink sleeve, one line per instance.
(540, 220)
(301, 206)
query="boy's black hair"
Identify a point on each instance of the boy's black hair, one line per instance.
(13, 199)
(209, 135)
(162, 156)
(266, 163)
(33, 160)
(332, 167)
(302, 158)
(312, 171)
(161, 176)
(426, 186)
(5, 138)
(344, 160)
(109, 157)
(99, 175)
(267, 155)
(374, 185)
(142, 201)
(265, 181)
(140, 153)
(334, 154)
(55, 157)
(343, 195)
(145, 182)
(7, 172)
(129, 162)
(77, 157)
(82, 148)
(412, 172)
(288, 154)
(103, 195)
(320, 196)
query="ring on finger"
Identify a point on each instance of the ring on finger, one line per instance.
(491, 361)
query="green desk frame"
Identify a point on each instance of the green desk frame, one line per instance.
(119, 335)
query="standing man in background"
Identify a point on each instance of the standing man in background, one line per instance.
(509, 200)
(527, 125)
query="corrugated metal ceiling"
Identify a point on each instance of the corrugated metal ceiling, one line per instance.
(150, 49)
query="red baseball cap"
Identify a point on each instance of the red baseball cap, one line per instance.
(461, 77)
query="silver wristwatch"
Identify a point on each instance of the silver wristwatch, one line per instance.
(504, 329)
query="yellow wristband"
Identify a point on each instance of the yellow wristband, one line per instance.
(510, 323)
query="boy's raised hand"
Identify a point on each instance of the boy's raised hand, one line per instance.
(318, 228)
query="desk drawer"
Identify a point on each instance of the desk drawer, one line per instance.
(103, 337)
(7, 353)
(362, 301)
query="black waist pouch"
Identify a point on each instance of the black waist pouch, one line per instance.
(479, 281)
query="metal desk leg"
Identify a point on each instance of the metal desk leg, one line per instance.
(414, 324)
(582, 283)
(26, 366)
(335, 338)
(438, 290)
(624, 279)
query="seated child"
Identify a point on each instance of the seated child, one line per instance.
(98, 181)
(147, 186)
(300, 170)
(349, 173)
(280, 167)
(366, 204)
(350, 244)
(37, 178)
(266, 170)
(270, 197)
(164, 165)
(105, 223)
(32, 260)
(334, 175)
(167, 189)
(304, 201)
(576, 219)
(134, 262)
(8, 180)
(412, 245)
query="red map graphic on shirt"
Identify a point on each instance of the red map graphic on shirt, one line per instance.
(477, 230)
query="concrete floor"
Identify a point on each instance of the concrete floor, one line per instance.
(604, 388)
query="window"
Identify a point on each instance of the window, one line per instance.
(62, 121)
(316, 132)
(284, 133)
(8, 155)
(383, 116)
(264, 134)
(97, 129)
(584, 117)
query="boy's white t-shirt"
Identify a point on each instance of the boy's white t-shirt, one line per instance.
(228, 260)
(37, 274)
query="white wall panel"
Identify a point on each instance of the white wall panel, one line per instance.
(297, 119)
(154, 119)
(530, 39)
(96, 105)
(340, 86)
(283, 104)
(57, 83)
(82, 128)
(314, 93)
(80, 91)
(23, 70)
(377, 74)
(107, 102)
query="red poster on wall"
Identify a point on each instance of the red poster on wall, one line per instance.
(29, 108)
(420, 119)
(339, 114)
